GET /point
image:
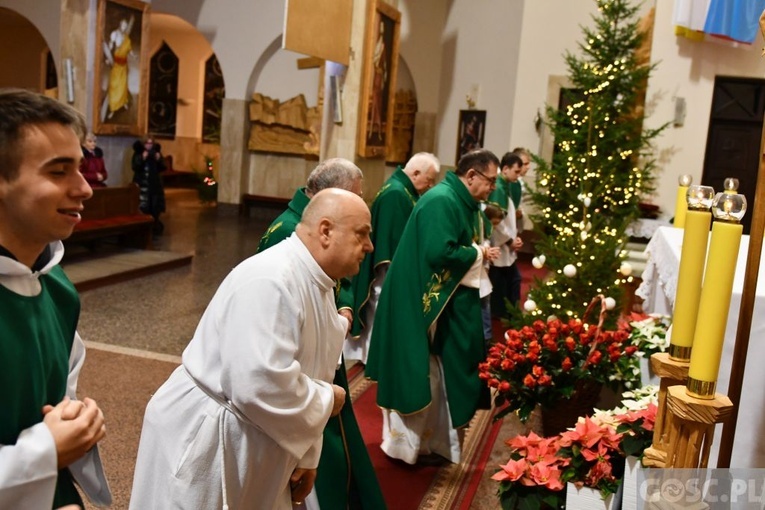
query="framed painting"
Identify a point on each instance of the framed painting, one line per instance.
(380, 66)
(470, 132)
(120, 94)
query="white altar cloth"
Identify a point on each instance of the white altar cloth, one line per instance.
(658, 290)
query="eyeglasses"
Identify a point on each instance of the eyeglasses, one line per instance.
(489, 179)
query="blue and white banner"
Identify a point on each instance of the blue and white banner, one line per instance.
(733, 20)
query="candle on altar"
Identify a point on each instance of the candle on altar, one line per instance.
(728, 209)
(692, 255)
(684, 181)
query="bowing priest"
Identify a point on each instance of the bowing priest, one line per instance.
(344, 455)
(390, 211)
(428, 336)
(239, 424)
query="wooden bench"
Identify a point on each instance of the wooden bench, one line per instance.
(249, 201)
(114, 212)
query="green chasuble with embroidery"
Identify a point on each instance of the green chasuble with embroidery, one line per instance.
(284, 224)
(390, 211)
(34, 360)
(422, 288)
(345, 477)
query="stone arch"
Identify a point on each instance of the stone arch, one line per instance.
(25, 57)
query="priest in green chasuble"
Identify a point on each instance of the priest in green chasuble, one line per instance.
(390, 211)
(428, 336)
(345, 476)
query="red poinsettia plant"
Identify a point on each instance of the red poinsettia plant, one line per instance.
(545, 362)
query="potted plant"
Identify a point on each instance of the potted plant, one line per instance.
(531, 479)
(554, 364)
(649, 334)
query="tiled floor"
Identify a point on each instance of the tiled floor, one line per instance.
(160, 312)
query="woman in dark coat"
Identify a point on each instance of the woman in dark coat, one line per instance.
(147, 165)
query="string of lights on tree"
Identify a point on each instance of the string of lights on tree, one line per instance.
(601, 167)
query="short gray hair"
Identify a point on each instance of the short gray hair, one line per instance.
(333, 173)
(422, 161)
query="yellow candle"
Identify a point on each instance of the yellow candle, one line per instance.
(713, 308)
(692, 255)
(681, 206)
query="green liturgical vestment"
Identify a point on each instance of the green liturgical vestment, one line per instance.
(501, 194)
(44, 346)
(422, 288)
(345, 476)
(390, 211)
(515, 190)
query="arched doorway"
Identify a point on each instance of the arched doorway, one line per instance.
(25, 59)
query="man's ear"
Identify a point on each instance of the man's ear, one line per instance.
(325, 230)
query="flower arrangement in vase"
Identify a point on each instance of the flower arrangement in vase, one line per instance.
(547, 363)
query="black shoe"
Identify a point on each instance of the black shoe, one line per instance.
(432, 459)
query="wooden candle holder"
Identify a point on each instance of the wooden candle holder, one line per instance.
(672, 373)
(691, 423)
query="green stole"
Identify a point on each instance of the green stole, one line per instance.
(422, 287)
(390, 211)
(344, 454)
(515, 193)
(501, 194)
(38, 332)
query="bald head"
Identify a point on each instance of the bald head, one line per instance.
(335, 228)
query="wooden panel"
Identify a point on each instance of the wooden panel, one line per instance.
(319, 28)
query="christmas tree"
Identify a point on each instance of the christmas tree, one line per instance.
(602, 165)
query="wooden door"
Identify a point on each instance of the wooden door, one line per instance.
(733, 140)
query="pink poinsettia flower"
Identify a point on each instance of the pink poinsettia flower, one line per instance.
(599, 453)
(600, 471)
(512, 471)
(547, 475)
(522, 443)
(586, 433)
(542, 453)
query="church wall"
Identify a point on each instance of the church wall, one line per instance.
(544, 41)
(479, 52)
(687, 69)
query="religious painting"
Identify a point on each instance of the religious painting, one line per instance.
(470, 132)
(120, 95)
(378, 79)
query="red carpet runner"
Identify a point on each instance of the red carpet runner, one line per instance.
(408, 487)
